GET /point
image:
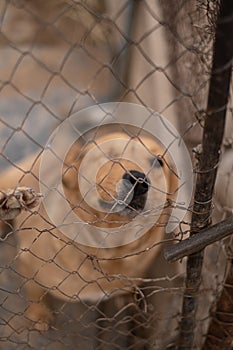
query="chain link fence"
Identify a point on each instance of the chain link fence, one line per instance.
(57, 58)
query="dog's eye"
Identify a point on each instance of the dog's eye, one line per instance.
(156, 162)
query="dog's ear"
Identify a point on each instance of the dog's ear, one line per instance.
(74, 158)
(71, 165)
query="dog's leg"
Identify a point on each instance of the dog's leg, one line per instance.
(38, 310)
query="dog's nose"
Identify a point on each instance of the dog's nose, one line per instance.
(139, 181)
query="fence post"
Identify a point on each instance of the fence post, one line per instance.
(211, 144)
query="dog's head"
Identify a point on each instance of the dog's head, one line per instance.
(112, 177)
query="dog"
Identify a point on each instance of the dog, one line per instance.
(135, 179)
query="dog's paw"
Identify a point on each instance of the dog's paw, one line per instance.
(40, 315)
(13, 201)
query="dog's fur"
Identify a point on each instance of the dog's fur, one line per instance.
(51, 262)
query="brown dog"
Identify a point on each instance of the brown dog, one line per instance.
(134, 180)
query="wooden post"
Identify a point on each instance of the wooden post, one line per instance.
(211, 144)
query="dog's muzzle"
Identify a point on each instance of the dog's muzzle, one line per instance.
(139, 181)
(140, 186)
(132, 192)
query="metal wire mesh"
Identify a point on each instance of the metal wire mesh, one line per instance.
(58, 57)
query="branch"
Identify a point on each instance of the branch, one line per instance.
(200, 240)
